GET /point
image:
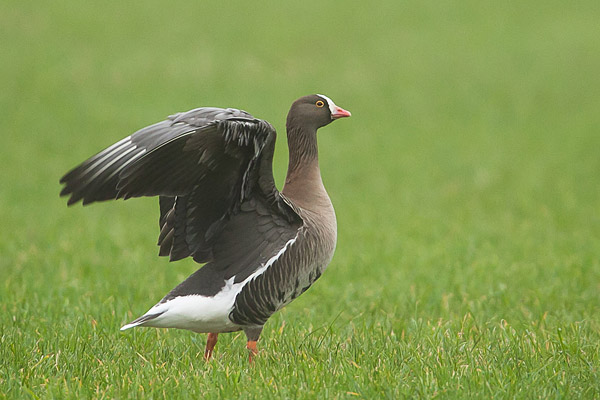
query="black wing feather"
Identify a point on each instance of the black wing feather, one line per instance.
(165, 203)
(204, 164)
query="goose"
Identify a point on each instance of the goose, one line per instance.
(212, 171)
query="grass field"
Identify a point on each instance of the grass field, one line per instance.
(466, 184)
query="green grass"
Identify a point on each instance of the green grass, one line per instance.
(467, 188)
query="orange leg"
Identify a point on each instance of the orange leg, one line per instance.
(252, 334)
(211, 341)
(251, 346)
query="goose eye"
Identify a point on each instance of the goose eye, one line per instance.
(319, 103)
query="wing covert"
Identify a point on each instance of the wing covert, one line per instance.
(204, 164)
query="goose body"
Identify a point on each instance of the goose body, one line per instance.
(212, 171)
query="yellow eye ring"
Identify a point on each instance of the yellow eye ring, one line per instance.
(319, 103)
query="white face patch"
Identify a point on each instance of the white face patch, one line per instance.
(332, 106)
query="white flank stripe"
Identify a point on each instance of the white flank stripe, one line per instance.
(271, 260)
(204, 313)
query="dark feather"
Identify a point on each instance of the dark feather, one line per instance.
(212, 169)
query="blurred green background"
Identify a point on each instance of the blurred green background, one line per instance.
(466, 183)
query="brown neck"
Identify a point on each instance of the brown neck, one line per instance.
(303, 183)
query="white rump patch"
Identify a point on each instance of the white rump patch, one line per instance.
(204, 314)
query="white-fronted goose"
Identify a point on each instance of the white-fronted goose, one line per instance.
(212, 169)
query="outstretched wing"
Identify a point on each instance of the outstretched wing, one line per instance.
(212, 168)
(99, 178)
